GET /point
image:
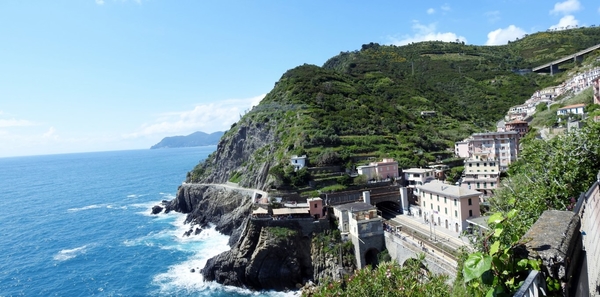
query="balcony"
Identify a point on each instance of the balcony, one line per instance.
(533, 286)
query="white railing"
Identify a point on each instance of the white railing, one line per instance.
(533, 286)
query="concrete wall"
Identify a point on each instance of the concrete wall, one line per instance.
(588, 209)
(401, 250)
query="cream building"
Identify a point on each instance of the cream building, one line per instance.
(448, 206)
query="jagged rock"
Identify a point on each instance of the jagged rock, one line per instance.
(156, 209)
(263, 260)
(198, 230)
(193, 270)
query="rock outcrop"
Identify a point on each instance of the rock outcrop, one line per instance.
(267, 258)
(205, 204)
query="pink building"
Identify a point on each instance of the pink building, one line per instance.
(502, 147)
(388, 168)
(461, 149)
(315, 206)
(517, 125)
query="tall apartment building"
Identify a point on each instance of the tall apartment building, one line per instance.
(481, 174)
(517, 125)
(500, 146)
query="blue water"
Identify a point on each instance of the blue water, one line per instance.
(80, 225)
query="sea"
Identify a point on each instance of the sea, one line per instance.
(81, 225)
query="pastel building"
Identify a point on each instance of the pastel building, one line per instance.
(500, 146)
(386, 169)
(481, 174)
(461, 149)
(315, 206)
(448, 206)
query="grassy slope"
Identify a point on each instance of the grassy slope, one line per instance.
(368, 102)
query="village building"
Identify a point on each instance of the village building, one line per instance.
(447, 206)
(571, 109)
(386, 169)
(517, 125)
(501, 146)
(415, 177)
(481, 174)
(316, 207)
(298, 162)
(461, 148)
(360, 223)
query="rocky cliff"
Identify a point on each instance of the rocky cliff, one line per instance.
(227, 209)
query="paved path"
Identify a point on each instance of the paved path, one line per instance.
(236, 187)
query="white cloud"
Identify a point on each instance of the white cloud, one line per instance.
(493, 16)
(445, 7)
(7, 123)
(426, 33)
(598, 9)
(502, 36)
(208, 118)
(100, 2)
(565, 22)
(566, 7)
(430, 11)
(50, 134)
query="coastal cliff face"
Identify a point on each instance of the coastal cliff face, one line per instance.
(267, 258)
(245, 153)
(228, 210)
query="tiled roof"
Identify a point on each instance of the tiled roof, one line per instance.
(573, 106)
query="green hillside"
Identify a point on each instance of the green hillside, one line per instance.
(369, 102)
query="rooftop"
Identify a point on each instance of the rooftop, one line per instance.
(355, 206)
(448, 190)
(495, 133)
(572, 106)
(289, 211)
(417, 170)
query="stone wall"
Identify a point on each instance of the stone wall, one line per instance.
(401, 250)
(588, 210)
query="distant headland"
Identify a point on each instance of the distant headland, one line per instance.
(194, 139)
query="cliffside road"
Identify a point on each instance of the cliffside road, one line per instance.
(236, 187)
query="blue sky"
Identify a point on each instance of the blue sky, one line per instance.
(96, 75)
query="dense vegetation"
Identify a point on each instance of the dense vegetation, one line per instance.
(368, 103)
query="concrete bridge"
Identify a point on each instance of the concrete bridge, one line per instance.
(552, 67)
(404, 248)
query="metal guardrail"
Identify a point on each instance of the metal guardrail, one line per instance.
(533, 286)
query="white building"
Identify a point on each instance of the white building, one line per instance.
(415, 177)
(481, 174)
(298, 162)
(447, 206)
(461, 148)
(571, 109)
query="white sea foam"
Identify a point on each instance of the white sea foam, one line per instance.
(178, 279)
(93, 206)
(67, 254)
(133, 196)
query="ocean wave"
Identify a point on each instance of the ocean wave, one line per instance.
(67, 254)
(133, 196)
(93, 206)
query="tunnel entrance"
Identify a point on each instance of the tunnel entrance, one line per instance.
(371, 257)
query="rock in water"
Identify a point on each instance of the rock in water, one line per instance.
(156, 209)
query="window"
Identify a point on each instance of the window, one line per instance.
(431, 205)
(424, 204)
(478, 186)
(438, 197)
(456, 213)
(470, 212)
(315, 205)
(477, 164)
(454, 202)
(444, 199)
(470, 203)
(485, 185)
(438, 208)
(430, 196)
(446, 210)
(491, 185)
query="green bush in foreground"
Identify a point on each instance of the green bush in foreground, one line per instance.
(388, 279)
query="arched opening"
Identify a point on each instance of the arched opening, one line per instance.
(415, 262)
(390, 208)
(371, 257)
